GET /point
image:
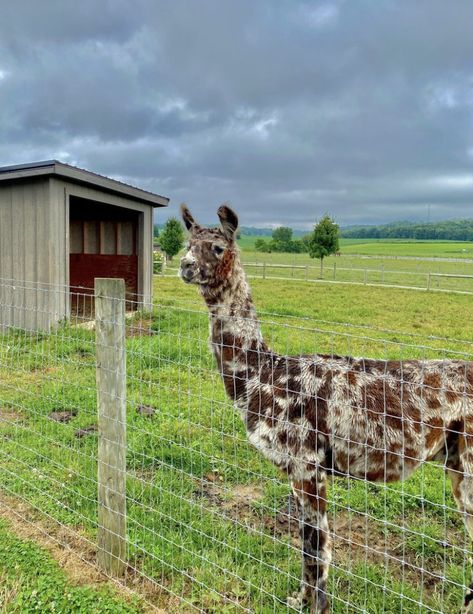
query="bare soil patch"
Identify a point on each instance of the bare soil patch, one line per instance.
(139, 328)
(356, 538)
(9, 416)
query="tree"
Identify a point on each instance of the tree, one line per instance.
(324, 240)
(172, 237)
(262, 246)
(282, 235)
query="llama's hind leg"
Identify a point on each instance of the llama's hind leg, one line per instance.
(460, 470)
(311, 501)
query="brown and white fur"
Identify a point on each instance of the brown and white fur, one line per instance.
(318, 415)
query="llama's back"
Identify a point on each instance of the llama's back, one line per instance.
(372, 419)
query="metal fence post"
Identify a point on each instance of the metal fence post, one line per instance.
(334, 271)
(428, 281)
(111, 403)
(264, 270)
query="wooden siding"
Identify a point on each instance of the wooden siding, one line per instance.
(30, 294)
(34, 249)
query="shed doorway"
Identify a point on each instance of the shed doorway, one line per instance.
(103, 242)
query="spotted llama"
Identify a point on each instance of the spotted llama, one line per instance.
(318, 415)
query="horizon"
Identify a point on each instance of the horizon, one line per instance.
(298, 229)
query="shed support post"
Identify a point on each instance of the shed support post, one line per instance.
(111, 403)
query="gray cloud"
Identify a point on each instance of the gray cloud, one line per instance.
(286, 109)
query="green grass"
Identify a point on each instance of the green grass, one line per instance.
(408, 247)
(392, 262)
(189, 528)
(31, 581)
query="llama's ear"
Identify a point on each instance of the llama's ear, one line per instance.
(229, 220)
(187, 217)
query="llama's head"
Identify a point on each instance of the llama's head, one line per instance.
(211, 252)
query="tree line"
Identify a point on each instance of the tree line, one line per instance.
(449, 230)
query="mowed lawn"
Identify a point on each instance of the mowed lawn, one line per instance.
(209, 520)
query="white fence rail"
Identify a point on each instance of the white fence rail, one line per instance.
(211, 526)
(376, 277)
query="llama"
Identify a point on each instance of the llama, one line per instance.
(318, 416)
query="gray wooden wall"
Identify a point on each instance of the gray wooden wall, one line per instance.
(34, 249)
(32, 292)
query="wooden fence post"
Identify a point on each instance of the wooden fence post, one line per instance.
(111, 403)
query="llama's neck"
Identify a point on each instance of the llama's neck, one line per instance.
(235, 333)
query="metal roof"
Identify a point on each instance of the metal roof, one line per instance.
(80, 175)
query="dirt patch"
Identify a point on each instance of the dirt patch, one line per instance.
(63, 415)
(139, 328)
(75, 553)
(236, 501)
(86, 430)
(356, 538)
(145, 410)
(8, 417)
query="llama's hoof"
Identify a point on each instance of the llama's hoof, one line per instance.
(297, 601)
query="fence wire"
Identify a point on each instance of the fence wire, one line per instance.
(212, 526)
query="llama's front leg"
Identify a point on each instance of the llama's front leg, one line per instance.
(311, 501)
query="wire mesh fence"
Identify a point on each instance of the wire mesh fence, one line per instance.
(212, 524)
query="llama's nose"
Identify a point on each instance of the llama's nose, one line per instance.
(187, 269)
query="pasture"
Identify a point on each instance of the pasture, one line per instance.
(211, 525)
(393, 262)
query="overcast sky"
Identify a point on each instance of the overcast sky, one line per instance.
(286, 109)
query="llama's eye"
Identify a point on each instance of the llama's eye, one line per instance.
(218, 249)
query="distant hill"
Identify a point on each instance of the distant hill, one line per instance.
(251, 231)
(449, 230)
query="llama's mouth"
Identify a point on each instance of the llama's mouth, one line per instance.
(188, 276)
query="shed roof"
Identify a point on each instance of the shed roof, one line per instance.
(82, 176)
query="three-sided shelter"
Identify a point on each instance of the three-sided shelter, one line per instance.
(60, 228)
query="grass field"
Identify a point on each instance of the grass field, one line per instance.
(31, 581)
(405, 247)
(396, 262)
(208, 517)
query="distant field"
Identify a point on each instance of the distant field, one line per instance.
(390, 247)
(403, 247)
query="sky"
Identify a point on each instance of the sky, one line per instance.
(286, 109)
